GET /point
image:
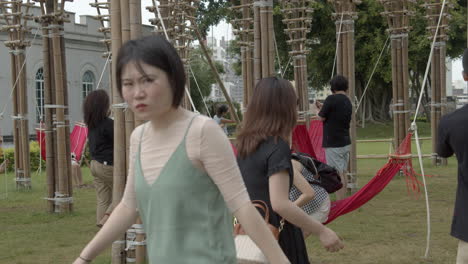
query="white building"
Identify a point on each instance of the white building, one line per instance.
(232, 82)
(84, 61)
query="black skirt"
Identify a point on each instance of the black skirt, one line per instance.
(292, 242)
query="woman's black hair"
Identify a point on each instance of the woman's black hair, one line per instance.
(95, 108)
(155, 51)
(222, 109)
(339, 83)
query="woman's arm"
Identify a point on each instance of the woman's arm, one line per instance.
(302, 185)
(279, 197)
(254, 225)
(220, 163)
(119, 221)
(123, 215)
(227, 121)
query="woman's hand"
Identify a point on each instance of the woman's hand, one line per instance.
(330, 240)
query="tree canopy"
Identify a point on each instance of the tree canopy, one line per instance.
(370, 37)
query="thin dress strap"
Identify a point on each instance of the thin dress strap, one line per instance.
(190, 124)
(141, 136)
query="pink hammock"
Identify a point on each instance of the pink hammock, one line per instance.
(78, 139)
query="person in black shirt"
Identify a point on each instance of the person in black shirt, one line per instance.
(101, 147)
(336, 114)
(452, 140)
(264, 158)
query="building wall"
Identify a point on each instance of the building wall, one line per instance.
(84, 52)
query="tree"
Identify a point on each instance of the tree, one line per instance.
(370, 36)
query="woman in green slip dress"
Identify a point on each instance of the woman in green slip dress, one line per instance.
(183, 178)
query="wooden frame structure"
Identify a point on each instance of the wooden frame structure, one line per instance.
(264, 49)
(398, 14)
(15, 14)
(57, 123)
(122, 19)
(344, 16)
(298, 18)
(243, 29)
(438, 69)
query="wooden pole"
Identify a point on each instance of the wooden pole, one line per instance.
(48, 127)
(438, 69)
(271, 43)
(118, 247)
(257, 50)
(62, 155)
(397, 14)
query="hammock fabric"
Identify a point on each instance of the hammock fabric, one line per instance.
(310, 142)
(77, 141)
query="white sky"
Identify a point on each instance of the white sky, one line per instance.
(82, 7)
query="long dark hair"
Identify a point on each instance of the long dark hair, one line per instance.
(157, 52)
(271, 112)
(95, 108)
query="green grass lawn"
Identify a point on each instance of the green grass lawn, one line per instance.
(389, 229)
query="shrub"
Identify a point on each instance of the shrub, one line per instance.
(34, 157)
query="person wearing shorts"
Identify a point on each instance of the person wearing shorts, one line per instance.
(451, 140)
(336, 114)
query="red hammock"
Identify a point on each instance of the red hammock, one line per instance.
(310, 142)
(77, 141)
(400, 161)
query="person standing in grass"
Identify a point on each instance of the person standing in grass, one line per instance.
(336, 114)
(101, 147)
(183, 179)
(452, 139)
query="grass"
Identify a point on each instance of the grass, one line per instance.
(389, 229)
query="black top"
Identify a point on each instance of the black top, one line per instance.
(101, 142)
(271, 157)
(337, 111)
(452, 138)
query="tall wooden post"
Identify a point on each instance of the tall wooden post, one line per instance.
(57, 123)
(398, 13)
(298, 17)
(438, 69)
(264, 55)
(15, 16)
(344, 16)
(243, 28)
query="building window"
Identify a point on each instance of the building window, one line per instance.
(39, 81)
(87, 83)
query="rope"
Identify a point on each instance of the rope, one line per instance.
(337, 46)
(199, 90)
(277, 52)
(18, 74)
(287, 66)
(103, 70)
(415, 128)
(161, 20)
(372, 75)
